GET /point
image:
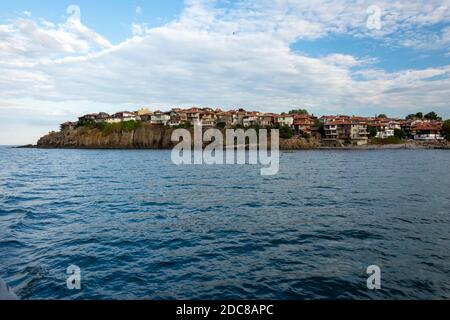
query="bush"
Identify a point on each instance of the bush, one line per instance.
(221, 125)
(390, 140)
(372, 131)
(183, 125)
(286, 132)
(108, 128)
(320, 127)
(256, 127)
(399, 133)
(446, 129)
(130, 125)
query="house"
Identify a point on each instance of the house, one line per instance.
(112, 119)
(285, 120)
(145, 114)
(208, 118)
(207, 110)
(331, 131)
(101, 117)
(360, 134)
(161, 118)
(238, 117)
(86, 119)
(181, 114)
(174, 121)
(193, 116)
(68, 126)
(177, 117)
(225, 117)
(303, 124)
(383, 130)
(406, 125)
(360, 119)
(345, 132)
(266, 120)
(326, 119)
(250, 119)
(126, 116)
(146, 117)
(427, 131)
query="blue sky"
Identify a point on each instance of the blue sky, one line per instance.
(325, 56)
(389, 58)
(111, 18)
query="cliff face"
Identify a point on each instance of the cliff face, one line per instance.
(299, 144)
(146, 136)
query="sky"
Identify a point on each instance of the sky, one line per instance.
(62, 59)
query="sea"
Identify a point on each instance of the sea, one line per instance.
(137, 226)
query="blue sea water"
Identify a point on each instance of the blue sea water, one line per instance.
(140, 227)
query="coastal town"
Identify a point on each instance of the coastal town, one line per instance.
(331, 130)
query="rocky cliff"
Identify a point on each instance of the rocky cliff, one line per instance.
(146, 136)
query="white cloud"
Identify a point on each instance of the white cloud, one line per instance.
(213, 56)
(138, 10)
(26, 41)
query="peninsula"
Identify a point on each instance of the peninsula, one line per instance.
(144, 129)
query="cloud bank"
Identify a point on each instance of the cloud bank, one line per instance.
(223, 56)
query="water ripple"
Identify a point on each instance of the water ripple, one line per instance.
(140, 227)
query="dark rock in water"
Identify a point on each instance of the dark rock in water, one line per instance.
(28, 146)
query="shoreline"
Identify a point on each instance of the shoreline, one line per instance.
(155, 137)
(402, 146)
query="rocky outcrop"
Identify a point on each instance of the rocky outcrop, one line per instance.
(146, 136)
(299, 144)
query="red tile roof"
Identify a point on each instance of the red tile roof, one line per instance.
(427, 126)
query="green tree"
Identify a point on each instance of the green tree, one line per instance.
(372, 131)
(183, 125)
(399, 133)
(130, 125)
(299, 112)
(432, 116)
(286, 132)
(419, 115)
(255, 127)
(382, 116)
(446, 129)
(221, 125)
(320, 127)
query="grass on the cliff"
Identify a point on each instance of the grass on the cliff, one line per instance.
(108, 128)
(389, 140)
